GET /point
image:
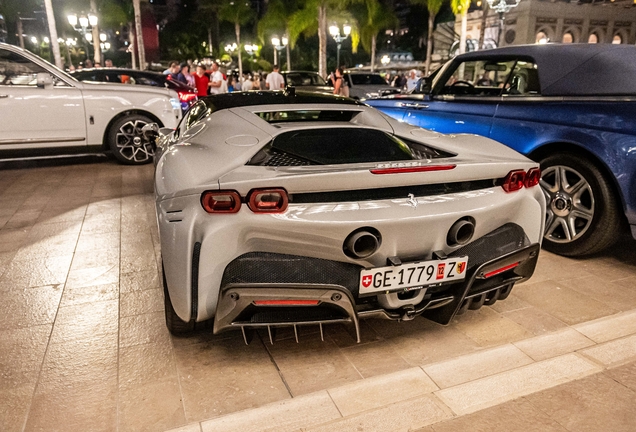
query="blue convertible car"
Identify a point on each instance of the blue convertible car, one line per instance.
(570, 107)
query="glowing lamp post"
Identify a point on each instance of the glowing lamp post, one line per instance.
(279, 45)
(334, 31)
(502, 7)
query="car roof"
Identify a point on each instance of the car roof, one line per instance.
(242, 99)
(298, 71)
(574, 69)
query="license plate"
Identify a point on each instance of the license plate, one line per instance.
(410, 276)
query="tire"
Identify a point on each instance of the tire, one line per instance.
(583, 214)
(127, 142)
(175, 325)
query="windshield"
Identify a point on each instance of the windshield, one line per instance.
(304, 79)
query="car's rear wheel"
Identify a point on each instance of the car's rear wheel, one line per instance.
(127, 141)
(175, 325)
(583, 215)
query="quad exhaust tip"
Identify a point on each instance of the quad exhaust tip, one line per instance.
(362, 243)
(461, 232)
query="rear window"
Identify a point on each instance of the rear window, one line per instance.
(304, 79)
(366, 79)
(306, 115)
(340, 146)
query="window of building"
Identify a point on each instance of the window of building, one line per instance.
(541, 38)
(567, 38)
(617, 39)
(593, 38)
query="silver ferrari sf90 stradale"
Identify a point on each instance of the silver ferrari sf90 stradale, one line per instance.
(287, 209)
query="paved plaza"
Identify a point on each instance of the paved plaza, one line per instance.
(84, 346)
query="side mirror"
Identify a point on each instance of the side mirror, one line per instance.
(150, 132)
(44, 80)
(424, 85)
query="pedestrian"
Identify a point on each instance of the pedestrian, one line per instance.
(256, 82)
(201, 81)
(216, 79)
(411, 82)
(340, 86)
(108, 63)
(230, 83)
(275, 80)
(170, 68)
(88, 63)
(185, 76)
(248, 84)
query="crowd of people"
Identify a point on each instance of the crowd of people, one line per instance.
(214, 79)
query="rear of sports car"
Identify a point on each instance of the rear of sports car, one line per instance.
(316, 215)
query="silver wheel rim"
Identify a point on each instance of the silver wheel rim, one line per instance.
(131, 143)
(569, 204)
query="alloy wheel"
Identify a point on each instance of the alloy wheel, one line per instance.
(569, 203)
(131, 143)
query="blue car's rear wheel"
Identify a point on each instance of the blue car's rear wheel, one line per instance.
(583, 215)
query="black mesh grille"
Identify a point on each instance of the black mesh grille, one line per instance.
(264, 267)
(505, 239)
(295, 314)
(278, 158)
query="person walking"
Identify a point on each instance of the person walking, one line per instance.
(216, 80)
(185, 76)
(248, 84)
(340, 86)
(201, 81)
(275, 80)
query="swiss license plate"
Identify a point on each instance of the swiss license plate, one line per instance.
(413, 275)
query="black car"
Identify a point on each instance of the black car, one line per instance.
(187, 95)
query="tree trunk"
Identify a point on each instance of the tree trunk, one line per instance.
(429, 42)
(131, 41)
(237, 29)
(374, 40)
(53, 34)
(288, 56)
(482, 30)
(210, 41)
(462, 35)
(140, 36)
(20, 32)
(96, 47)
(322, 40)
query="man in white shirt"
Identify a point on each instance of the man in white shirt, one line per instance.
(216, 79)
(275, 81)
(411, 82)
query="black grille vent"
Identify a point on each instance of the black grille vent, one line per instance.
(278, 158)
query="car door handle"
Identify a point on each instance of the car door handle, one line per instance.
(4, 96)
(415, 105)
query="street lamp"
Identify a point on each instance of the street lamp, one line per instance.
(279, 45)
(385, 60)
(84, 24)
(502, 7)
(334, 31)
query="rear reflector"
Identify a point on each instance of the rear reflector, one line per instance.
(268, 200)
(514, 181)
(532, 177)
(412, 169)
(221, 201)
(286, 302)
(501, 270)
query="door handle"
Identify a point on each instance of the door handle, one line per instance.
(415, 105)
(4, 96)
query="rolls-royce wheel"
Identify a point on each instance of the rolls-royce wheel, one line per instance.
(175, 325)
(583, 215)
(127, 142)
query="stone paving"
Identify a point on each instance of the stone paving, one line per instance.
(83, 344)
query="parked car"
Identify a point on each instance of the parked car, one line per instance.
(187, 95)
(306, 81)
(297, 208)
(570, 107)
(46, 110)
(367, 84)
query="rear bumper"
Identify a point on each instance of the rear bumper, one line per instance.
(496, 261)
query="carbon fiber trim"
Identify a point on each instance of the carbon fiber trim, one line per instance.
(195, 280)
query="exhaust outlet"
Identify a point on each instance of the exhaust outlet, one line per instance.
(461, 232)
(362, 243)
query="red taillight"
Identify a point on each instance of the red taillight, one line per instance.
(532, 177)
(268, 200)
(500, 270)
(221, 201)
(187, 97)
(412, 169)
(286, 302)
(514, 181)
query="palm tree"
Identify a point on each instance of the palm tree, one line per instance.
(304, 21)
(208, 15)
(53, 34)
(461, 7)
(140, 37)
(239, 13)
(377, 17)
(433, 7)
(276, 20)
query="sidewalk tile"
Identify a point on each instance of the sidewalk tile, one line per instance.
(553, 344)
(496, 389)
(613, 353)
(287, 415)
(608, 328)
(478, 365)
(376, 392)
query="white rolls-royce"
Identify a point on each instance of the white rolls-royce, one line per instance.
(43, 110)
